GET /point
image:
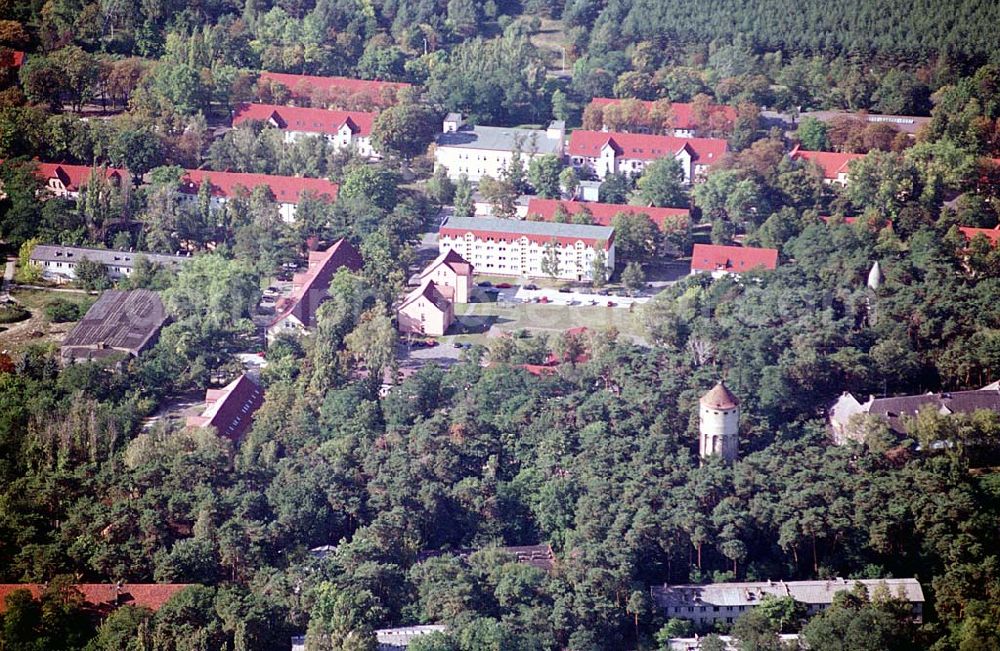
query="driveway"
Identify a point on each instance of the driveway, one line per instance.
(555, 297)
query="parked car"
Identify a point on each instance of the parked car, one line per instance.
(503, 285)
(485, 283)
(458, 344)
(612, 304)
(491, 290)
(544, 299)
(565, 290)
(531, 286)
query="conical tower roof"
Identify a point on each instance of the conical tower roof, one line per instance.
(720, 397)
(875, 276)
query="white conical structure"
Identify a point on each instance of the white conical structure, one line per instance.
(875, 277)
(719, 424)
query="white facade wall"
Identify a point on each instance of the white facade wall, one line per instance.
(343, 139)
(523, 257)
(286, 210)
(607, 163)
(476, 163)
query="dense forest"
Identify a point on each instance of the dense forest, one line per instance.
(599, 458)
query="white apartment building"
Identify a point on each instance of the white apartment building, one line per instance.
(601, 153)
(58, 263)
(487, 151)
(286, 190)
(507, 247)
(342, 129)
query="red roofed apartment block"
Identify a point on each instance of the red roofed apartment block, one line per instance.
(511, 247)
(67, 181)
(684, 124)
(334, 92)
(603, 214)
(296, 314)
(724, 260)
(287, 190)
(992, 234)
(426, 310)
(603, 153)
(452, 274)
(230, 409)
(102, 598)
(343, 129)
(835, 165)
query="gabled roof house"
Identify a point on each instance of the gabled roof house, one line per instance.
(723, 260)
(603, 153)
(230, 409)
(296, 314)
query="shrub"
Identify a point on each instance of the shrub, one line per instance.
(61, 311)
(13, 313)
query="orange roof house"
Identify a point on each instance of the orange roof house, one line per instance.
(835, 165)
(102, 598)
(684, 122)
(603, 214)
(722, 260)
(64, 180)
(288, 191)
(992, 234)
(340, 92)
(603, 152)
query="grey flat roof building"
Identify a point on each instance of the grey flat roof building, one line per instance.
(727, 601)
(111, 257)
(502, 139)
(531, 228)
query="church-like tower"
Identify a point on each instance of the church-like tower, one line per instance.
(719, 424)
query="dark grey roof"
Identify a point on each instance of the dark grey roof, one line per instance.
(751, 593)
(546, 229)
(540, 556)
(964, 402)
(109, 257)
(501, 139)
(119, 321)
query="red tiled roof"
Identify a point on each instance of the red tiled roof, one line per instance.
(230, 409)
(683, 111)
(302, 85)
(311, 286)
(12, 59)
(720, 397)
(638, 146)
(106, 596)
(712, 257)
(604, 213)
(833, 163)
(286, 189)
(310, 120)
(993, 234)
(73, 177)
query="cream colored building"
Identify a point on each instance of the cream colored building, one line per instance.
(426, 310)
(508, 247)
(487, 151)
(450, 271)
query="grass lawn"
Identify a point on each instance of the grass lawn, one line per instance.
(476, 318)
(36, 299)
